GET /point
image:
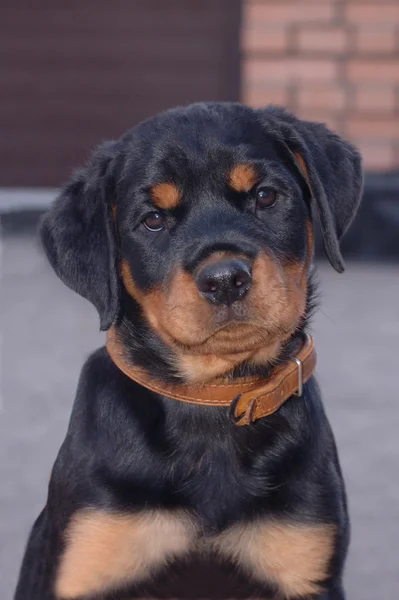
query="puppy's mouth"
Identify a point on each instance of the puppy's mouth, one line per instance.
(231, 338)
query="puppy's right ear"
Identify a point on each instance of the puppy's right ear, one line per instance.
(78, 234)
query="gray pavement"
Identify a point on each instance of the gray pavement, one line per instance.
(47, 331)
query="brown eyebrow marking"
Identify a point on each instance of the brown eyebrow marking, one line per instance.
(166, 195)
(243, 177)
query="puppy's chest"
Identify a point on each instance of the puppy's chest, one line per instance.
(211, 483)
(107, 550)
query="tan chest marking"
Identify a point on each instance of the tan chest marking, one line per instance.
(294, 557)
(104, 550)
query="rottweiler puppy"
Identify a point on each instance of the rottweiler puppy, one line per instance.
(198, 438)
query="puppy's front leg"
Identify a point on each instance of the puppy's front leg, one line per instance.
(37, 571)
(335, 593)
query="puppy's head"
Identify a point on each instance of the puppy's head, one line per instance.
(194, 231)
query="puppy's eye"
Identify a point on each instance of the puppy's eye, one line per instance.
(265, 198)
(154, 222)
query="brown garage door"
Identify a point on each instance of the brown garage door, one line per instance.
(77, 72)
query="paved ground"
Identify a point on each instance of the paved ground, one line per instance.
(46, 331)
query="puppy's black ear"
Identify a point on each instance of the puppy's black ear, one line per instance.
(332, 169)
(79, 238)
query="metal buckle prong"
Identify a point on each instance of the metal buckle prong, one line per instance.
(300, 376)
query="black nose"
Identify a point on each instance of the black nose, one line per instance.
(224, 281)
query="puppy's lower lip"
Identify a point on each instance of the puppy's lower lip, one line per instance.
(233, 328)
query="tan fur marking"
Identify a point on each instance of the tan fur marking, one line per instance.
(165, 195)
(128, 281)
(298, 271)
(243, 177)
(276, 297)
(295, 557)
(105, 551)
(266, 355)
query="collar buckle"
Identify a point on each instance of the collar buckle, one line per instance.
(298, 362)
(246, 417)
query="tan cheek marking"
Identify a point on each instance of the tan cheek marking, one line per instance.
(151, 302)
(298, 272)
(281, 290)
(171, 318)
(243, 177)
(171, 314)
(295, 557)
(166, 195)
(275, 297)
(105, 551)
(296, 282)
(180, 314)
(128, 282)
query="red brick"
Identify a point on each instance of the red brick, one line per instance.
(262, 97)
(328, 118)
(373, 71)
(377, 155)
(376, 41)
(324, 97)
(331, 40)
(259, 39)
(383, 128)
(372, 12)
(271, 13)
(374, 99)
(288, 70)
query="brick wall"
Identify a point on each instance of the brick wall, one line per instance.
(336, 61)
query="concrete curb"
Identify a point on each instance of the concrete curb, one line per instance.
(22, 199)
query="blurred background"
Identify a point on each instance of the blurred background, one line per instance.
(75, 73)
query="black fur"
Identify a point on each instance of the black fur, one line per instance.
(128, 448)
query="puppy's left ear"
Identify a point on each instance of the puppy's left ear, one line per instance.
(79, 238)
(332, 168)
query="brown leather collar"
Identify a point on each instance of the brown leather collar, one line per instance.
(249, 398)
